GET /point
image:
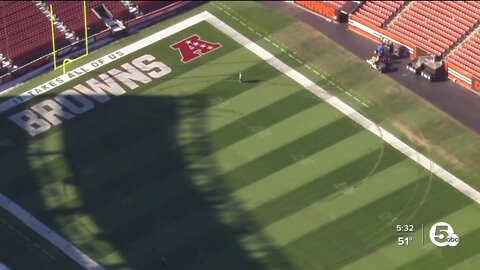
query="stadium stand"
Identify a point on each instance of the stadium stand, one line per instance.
(68, 12)
(25, 27)
(467, 55)
(435, 26)
(377, 12)
(147, 6)
(335, 4)
(24, 33)
(448, 30)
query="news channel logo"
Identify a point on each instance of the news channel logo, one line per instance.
(442, 235)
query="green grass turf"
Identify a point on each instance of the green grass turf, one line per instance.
(417, 122)
(213, 174)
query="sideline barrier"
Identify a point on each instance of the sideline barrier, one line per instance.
(321, 8)
(462, 77)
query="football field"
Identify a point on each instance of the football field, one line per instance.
(162, 158)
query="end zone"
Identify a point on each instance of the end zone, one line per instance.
(87, 262)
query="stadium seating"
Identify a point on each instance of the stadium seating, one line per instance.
(25, 31)
(377, 12)
(335, 4)
(118, 10)
(69, 13)
(436, 26)
(467, 56)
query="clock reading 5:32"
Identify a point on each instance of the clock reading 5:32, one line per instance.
(405, 228)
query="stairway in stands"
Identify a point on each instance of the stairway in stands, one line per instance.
(5, 64)
(397, 14)
(132, 8)
(378, 12)
(465, 37)
(466, 54)
(436, 26)
(69, 34)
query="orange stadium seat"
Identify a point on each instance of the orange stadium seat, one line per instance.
(467, 55)
(25, 33)
(439, 23)
(335, 4)
(377, 12)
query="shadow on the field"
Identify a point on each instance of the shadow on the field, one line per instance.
(130, 183)
(251, 81)
(151, 196)
(133, 183)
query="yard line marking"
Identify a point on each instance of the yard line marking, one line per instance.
(346, 109)
(316, 72)
(21, 214)
(242, 23)
(235, 18)
(363, 103)
(226, 12)
(323, 77)
(48, 234)
(299, 61)
(282, 50)
(88, 263)
(348, 93)
(307, 66)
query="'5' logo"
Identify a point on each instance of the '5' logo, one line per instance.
(442, 234)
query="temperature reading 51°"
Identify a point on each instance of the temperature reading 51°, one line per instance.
(404, 240)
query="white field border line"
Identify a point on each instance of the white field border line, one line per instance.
(105, 60)
(29, 220)
(88, 263)
(48, 234)
(346, 109)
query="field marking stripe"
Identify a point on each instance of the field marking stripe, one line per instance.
(21, 214)
(57, 240)
(87, 262)
(276, 185)
(346, 109)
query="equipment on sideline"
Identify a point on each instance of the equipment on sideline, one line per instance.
(428, 67)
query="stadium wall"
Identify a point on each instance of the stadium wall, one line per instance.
(321, 8)
(463, 77)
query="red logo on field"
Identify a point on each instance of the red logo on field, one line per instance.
(193, 47)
